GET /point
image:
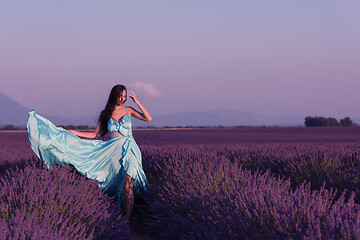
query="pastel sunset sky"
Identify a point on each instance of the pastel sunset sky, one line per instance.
(263, 56)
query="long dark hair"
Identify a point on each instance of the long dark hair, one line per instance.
(105, 114)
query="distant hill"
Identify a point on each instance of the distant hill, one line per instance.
(16, 114)
(223, 117)
(12, 112)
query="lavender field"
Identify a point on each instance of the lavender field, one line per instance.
(235, 183)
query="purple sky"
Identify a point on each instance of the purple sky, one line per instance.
(270, 57)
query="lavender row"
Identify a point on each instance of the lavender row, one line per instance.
(37, 203)
(337, 165)
(199, 193)
(334, 164)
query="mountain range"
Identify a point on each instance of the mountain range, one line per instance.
(16, 114)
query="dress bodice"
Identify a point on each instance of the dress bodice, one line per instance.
(122, 127)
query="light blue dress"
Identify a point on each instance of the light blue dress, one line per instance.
(105, 161)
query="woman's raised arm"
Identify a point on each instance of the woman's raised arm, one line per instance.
(144, 114)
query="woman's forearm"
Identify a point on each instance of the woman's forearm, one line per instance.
(83, 134)
(144, 111)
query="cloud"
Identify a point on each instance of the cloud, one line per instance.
(147, 88)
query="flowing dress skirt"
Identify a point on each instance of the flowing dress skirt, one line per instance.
(105, 161)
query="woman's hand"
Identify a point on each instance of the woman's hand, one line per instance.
(133, 96)
(72, 131)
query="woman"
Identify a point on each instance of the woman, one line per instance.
(115, 164)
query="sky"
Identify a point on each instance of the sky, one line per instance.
(270, 57)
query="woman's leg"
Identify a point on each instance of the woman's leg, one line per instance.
(128, 196)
